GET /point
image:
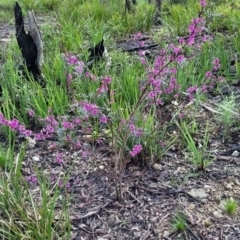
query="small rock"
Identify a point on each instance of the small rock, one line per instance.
(217, 214)
(36, 158)
(88, 138)
(231, 179)
(52, 147)
(5, 39)
(157, 166)
(165, 234)
(136, 173)
(153, 219)
(229, 186)
(74, 155)
(111, 219)
(218, 197)
(101, 167)
(207, 223)
(31, 142)
(175, 103)
(198, 193)
(235, 154)
(237, 182)
(191, 206)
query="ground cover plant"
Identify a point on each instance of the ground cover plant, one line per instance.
(142, 145)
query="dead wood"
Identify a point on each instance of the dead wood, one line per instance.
(145, 47)
(95, 53)
(29, 43)
(128, 4)
(36, 36)
(157, 19)
(167, 191)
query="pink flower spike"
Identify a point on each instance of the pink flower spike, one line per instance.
(181, 41)
(32, 179)
(137, 36)
(180, 58)
(31, 113)
(203, 3)
(67, 125)
(91, 109)
(190, 41)
(107, 80)
(103, 119)
(216, 64)
(136, 150)
(13, 124)
(208, 74)
(59, 158)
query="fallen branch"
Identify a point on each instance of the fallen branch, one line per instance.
(90, 213)
(168, 192)
(145, 47)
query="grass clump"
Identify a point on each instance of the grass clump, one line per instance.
(228, 115)
(27, 214)
(198, 155)
(179, 223)
(231, 206)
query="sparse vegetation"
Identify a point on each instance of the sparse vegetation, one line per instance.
(231, 206)
(179, 223)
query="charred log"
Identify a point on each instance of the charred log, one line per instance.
(145, 47)
(29, 43)
(157, 16)
(95, 53)
(127, 5)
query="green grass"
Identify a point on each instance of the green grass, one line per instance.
(179, 223)
(22, 215)
(231, 207)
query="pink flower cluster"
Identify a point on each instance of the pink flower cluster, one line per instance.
(216, 64)
(177, 54)
(91, 76)
(15, 125)
(129, 127)
(195, 28)
(135, 131)
(104, 85)
(136, 150)
(90, 109)
(203, 3)
(32, 179)
(51, 126)
(211, 82)
(162, 79)
(73, 61)
(59, 158)
(137, 38)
